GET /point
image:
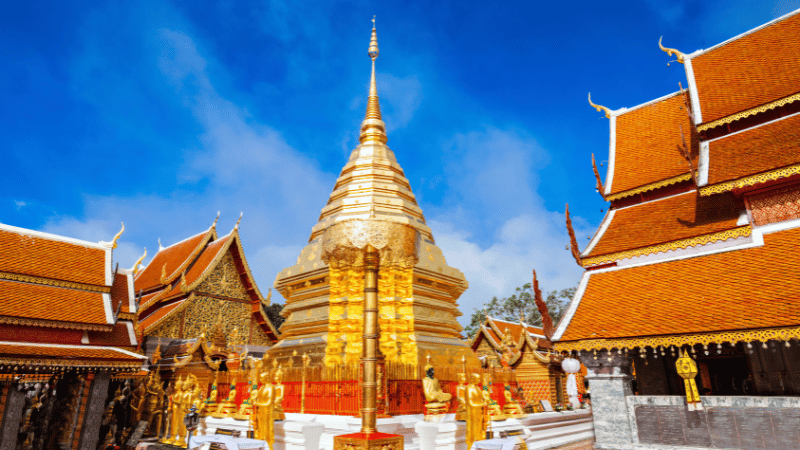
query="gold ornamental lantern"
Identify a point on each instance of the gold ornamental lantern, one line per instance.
(687, 369)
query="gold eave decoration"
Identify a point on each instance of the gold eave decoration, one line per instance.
(70, 363)
(54, 324)
(772, 175)
(649, 187)
(675, 245)
(730, 337)
(55, 283)
(672, 52)
(177, 309)
(749, 112)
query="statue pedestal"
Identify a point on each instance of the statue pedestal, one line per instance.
(447, 435)
(373, 441)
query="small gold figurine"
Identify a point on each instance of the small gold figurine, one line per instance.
(476, 406)
(176, 418)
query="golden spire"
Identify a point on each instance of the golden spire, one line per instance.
(600, 108)
(671, 51)
(373, 128)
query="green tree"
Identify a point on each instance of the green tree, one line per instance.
(274, 314)
(521, 303)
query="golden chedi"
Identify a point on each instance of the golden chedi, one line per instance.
(372, 205)
(476, 411)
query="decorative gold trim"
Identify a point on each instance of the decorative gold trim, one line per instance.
(751, 180)
(749, 112)
(671, 51)
(55, 283)
(599, 108)
(649, 187)
(54, 324)
(732, 337)
(682, 244)
(68, 362)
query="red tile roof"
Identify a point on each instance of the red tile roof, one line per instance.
(755, 150)
(33, 301)
(64, 352)
(38, 256)
(159, 314)
(117, 337)
(175, 257)
(209, 255)
(736, 290)
(120, 293)
(647, 144)
(668, 219)
(750, 71)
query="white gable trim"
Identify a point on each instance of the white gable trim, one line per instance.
(612, 150)
(131, 292)
(131, 333)
(599, 233)
(573, 306)
(693, 94)
(51, 237)
(107, 308)
(702, 165)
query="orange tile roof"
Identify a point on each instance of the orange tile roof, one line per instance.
(174, 256)
(210, 253)
(668, 219)
(42, 257)
(750, 71)
(33, 301)
(737, 290)
(158, 314)
(756, 150)
(647, 144)
(117, 337)
(119, 293)
(64, 352)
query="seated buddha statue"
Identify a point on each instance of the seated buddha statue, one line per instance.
(436, 400)
(228, 407)
(511, 408)
(492, 408)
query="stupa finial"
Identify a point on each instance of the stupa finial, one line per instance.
(373, 128)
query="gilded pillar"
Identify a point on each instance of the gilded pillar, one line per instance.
(370, 341)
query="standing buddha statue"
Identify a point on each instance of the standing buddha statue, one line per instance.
(264, 404)
(476, 407)
(278, 389)
(461, 392)
(176, 418)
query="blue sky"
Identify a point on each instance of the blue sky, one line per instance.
(159, 114)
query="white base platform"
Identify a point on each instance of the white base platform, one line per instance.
(316, 432)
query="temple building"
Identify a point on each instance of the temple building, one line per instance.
(68, 341)
(417, 289)
(690, 294)
(199, 283)
(526, 351)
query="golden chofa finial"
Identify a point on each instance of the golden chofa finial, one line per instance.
(600, 108)
(671, 51)
(139, 261)
(114, 241)
(373, 128)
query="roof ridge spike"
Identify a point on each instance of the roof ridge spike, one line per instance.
(599, 107)
(373, 128)
(680, 57)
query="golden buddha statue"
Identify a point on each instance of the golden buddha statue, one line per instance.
(512, 408)
(492, 408)
(154, 405)
(263, 404)
(279, 390)
(476, 407)
(461, 392)
(211, 402)
(228, 407)
(436, 400)
(176, 418)
(138, 399)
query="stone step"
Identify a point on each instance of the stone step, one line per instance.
(560, 441)
(558, 432)
(564, 423)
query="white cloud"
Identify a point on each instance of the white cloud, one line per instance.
(19, 204)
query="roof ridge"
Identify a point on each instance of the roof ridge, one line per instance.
(53, 237)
